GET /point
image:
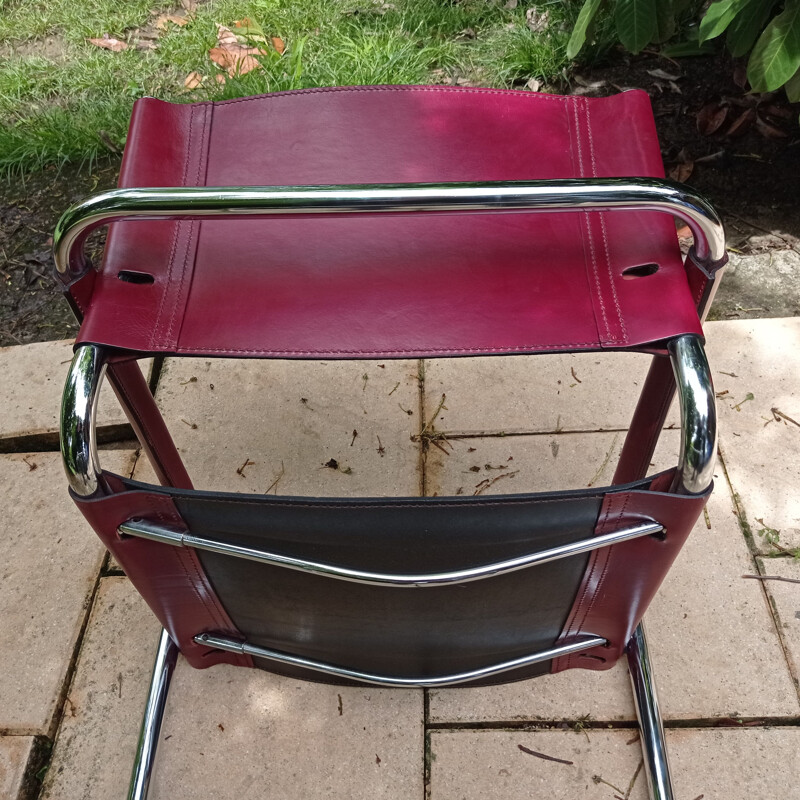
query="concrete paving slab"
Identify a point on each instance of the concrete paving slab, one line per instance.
(735, 763)
(239, 733)
(294, 428)
(33, 379)
(485, 764)
(566, 392)
(96, 745)
(715, 649)
(50, 562)
(575, 695)
(533, 463)
(784, 597)
(730, 763)
(15, 755)
(755, 365)
(761, 284)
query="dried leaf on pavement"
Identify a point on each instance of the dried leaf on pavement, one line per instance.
(109, 43)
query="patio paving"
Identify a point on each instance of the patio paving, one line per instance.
(78, 641)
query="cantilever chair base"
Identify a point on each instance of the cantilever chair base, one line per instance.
(340, 234)
(642, 680)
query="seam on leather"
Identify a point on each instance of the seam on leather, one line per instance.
(531, 96)
(601, 215)
(154, 337)
(193, 236)
(385, 353)
(587, 222)
(573, 626)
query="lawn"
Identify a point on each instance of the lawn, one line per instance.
(65, 99)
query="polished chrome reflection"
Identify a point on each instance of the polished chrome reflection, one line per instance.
(654, 747)
(78, 402)
(643, 194)
(696, 392)
(578, 643)
(166, 656)
(147, 530)
(698, 415)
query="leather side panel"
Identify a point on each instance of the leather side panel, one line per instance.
(170, 579)
(620, 581)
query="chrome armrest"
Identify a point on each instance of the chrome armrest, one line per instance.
(232, 202)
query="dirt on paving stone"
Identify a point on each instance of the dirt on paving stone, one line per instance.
(741, 151)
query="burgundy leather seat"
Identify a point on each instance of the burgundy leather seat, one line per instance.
(301, 284)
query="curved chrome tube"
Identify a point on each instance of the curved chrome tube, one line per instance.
(659, 783)
(166, 658)
(698, 415)
(695, 390)
(643, 194)
(78, 403)
(581, 642)
(158, 533)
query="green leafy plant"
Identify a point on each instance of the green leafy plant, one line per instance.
(769, 31)
(637, 22)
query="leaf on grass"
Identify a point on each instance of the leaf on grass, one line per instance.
(711, 117)
(279, 45)
(536, 20)
(193, 80)
(109, 43)
(512, 4)
(533, 85)
(236, 60)
(234, 51)
(162, 23)
(189, 5)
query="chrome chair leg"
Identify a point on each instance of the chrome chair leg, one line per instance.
(166, 657)
(659, 782)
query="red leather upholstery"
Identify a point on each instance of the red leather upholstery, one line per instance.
(384, 285)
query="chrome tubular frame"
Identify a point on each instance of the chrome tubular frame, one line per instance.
(231, 202)
(695, 390)
(659, 783)
(147, 530)
(583, 642)
(166, 657)
(698, 444)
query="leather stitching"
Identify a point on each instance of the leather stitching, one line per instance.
(601, 215)
(176, 235)
(531, 96)
(587, 222)
(466, 350)
(190, 233)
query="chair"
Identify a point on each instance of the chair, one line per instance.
(549, 222)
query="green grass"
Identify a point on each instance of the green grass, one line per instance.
(64, 100)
